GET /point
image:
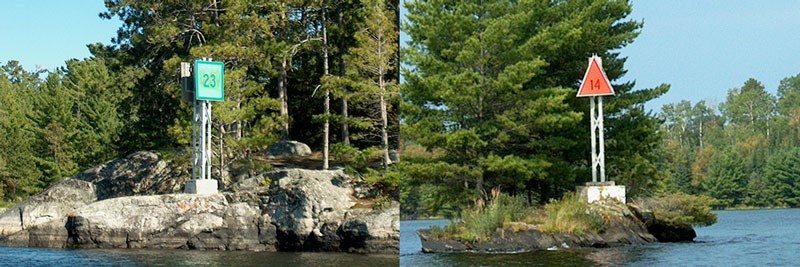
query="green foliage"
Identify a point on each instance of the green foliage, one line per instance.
(480, 222)
(726, 179)
(749, 105)
(344, 153)
(783, 179)
(126, 96)
(265, 182)
(572, 215)
(741, 154)
(388, 181)
(243, 165)
(683, 209)
(179, 156)
(491, 86)
(356, 161)
(361, 163)
(382, 202)
(20, 174)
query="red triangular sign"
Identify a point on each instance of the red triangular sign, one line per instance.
(595, 82)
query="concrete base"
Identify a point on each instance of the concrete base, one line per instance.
(201, 186)
(602, 190)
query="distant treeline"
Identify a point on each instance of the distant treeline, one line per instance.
(283, 61)
(744, 152)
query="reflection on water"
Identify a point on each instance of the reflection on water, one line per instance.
(741, 238)
(134, 257)
(607, 257)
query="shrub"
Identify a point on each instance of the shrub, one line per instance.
(479, 222)
(680, 208)
(571, 214)
(355, 161)
(246, 164)
(387, 182)
(343, 152)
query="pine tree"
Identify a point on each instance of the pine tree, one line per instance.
(491, 84)
(97, 98)
(21, 175)
(726, 179)
(781, 179)
(57, 127)
(372, 60)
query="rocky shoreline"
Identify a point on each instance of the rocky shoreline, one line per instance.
(623, 225)
(136, 202)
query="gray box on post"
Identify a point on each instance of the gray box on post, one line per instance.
(187, 83)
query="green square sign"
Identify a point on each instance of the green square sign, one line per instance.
(209, 80)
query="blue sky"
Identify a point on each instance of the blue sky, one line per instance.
(703, 48)
(47, 33)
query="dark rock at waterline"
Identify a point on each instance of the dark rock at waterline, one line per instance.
(126, 203)
(624, 225)
(432, 244)
(667, 232)
(314, 211)
(168, 221)
(367, 230)
(662, 230)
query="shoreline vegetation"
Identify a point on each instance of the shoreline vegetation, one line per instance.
(442, 217)
(706, 199)
(568, 215)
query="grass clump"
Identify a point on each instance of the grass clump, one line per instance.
(479, 222)
(682, 209)
(571, 214)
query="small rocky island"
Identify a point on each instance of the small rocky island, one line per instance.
(137, 202)
(622, 224)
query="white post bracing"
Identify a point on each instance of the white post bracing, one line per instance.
(593, 124)
(201, 139)
(598, 140)
(602, 140)
(207, 152)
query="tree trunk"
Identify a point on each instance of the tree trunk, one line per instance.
(479, 187)
(221, 149)
(326, 127)
(342, 52)
(284, 102)
(345, 126)
(384, 117)
(237, 124)
(384, 134)
(701, 132)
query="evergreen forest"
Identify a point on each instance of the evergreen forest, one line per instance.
(489, 103)
(320, 72)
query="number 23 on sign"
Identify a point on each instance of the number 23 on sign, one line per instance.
(209, 80)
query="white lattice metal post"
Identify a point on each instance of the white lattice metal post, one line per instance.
(602, 155)
(208, 86)
(595, 85)
(598, 150)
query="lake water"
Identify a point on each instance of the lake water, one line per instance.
(740, 238)
(123, 257)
